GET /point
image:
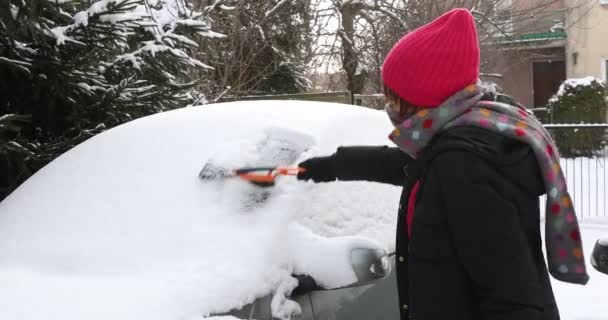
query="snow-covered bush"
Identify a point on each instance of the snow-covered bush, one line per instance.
(580, 101)
(73, 68)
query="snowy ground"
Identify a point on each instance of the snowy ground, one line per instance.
(121, 227)
(585, 302)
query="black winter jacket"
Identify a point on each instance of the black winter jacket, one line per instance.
(475, 251)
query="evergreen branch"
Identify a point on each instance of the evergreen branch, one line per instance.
(16, 64)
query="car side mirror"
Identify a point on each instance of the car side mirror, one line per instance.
(599, 256)
(369, 265)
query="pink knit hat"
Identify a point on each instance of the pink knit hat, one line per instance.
(435, 61)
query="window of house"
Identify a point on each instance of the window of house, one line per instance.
(604, 2)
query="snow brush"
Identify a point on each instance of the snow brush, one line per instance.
(259, 176)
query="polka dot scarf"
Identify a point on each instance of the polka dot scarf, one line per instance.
(562, 235)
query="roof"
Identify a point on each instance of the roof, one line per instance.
(531, 38)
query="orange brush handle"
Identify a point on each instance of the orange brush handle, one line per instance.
(270, 177)
(289, 171)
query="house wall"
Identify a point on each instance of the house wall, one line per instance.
(515, 63)
(517, 76)
(515, 66)
(587, 39)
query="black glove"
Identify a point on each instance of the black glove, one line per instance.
(320, 169)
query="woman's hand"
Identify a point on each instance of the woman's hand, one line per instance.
(319, 169)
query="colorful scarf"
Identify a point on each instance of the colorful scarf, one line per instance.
(562, 235)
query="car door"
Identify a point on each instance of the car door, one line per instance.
(260, 309)
(377, 300)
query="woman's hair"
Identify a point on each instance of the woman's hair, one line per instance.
(390, 95)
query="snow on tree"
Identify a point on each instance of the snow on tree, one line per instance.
(73, 68)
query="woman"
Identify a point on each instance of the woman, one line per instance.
(468, 232)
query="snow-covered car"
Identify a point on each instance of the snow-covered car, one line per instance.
(121, 227)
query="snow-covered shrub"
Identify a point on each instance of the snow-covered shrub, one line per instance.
(580, 101)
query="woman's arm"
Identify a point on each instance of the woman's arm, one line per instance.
(368, 163)
(377, 164)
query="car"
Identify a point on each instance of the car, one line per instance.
(122, 227)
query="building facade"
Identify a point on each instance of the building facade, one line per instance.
(568, 39)
(587, 45)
